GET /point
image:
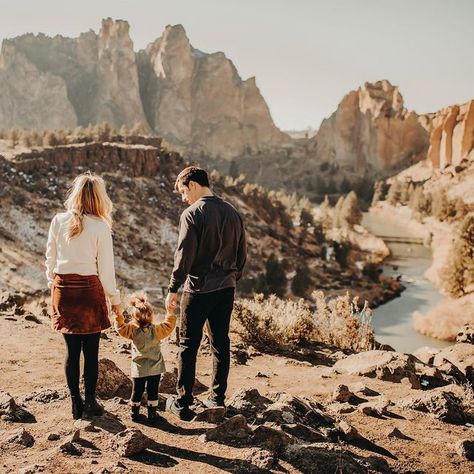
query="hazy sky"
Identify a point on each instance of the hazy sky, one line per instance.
(305, 54)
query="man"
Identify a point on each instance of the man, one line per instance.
(209, 259)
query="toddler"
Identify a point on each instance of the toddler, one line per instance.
(147, 360)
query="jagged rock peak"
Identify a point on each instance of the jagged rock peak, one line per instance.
(381, 98)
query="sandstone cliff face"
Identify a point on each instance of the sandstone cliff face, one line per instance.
(197, 101)
(452, 135)
(371, 133)
(30, 97)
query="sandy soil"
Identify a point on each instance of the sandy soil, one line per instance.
(31, 358)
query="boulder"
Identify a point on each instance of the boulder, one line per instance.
(465, 448)
(271, 438)
(247, 402)
(10, 411)
(168, 383)
(384, 365)
(440, 404)
(129, 442)
(112, 382)
(461, 355)
(234, 429)
(211, 415)
(426, 354)
(20, 436)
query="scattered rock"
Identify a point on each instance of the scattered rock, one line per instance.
(53, 437)
(168, 383)
(442, 405)
(211, 415)
(240, 356)
(465, 448)
(32, 317)
(304, 433)
(12, 301)
(328, 459)
(341, 408)
(10, 411)
(342, 394)
(71, 449)
(461, 355)
(426, 354)
(369, 410)
(32, 469)
(262, 459)
(232, 430)
(348, 431)
(466, 334)
(364, 390)
(86, 425)
(112, 382)
(46, 395)
(262, 375)
(396, 433)
(20, 436)
(384, 365)
(129, 442)
(247, 402)
(271, 438)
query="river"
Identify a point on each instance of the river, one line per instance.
(392, 321)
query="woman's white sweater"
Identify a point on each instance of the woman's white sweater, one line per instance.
(90, 253)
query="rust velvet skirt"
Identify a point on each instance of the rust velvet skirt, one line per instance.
(78, 304)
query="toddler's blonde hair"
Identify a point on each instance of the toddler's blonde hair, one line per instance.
(141, 311)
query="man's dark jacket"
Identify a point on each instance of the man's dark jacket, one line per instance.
(212, 249)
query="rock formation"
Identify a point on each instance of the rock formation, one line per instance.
(452, 135)
(371, 133)
(196, 101)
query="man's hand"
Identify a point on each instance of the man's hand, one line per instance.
(171, 301)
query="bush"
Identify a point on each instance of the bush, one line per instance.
(271, 323)
(301, 281)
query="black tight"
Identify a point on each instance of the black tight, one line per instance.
(89, 344)
(152, 382)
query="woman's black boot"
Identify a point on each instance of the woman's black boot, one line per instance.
(77, 406)
(92, 407)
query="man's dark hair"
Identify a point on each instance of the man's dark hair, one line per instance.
(192, 173)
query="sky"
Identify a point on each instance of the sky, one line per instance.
(305, 54)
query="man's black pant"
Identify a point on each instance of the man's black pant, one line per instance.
(215, 307)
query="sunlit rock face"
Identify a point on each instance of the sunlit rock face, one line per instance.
(452, 135)
(196, 101)
(371, 132)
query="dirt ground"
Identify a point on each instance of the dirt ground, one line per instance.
(31, 358)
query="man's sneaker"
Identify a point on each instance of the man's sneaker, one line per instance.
(212, 403)
(183, 413)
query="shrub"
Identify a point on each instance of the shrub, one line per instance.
(271, 323)
(301, 281)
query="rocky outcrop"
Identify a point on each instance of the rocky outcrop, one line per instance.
(452, 135)
(370, 133)
(197, 101)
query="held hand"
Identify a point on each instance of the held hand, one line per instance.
(171, 301)
(117, 309)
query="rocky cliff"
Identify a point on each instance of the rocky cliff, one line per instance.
(452, 135)
(196, 101)
(371, 133)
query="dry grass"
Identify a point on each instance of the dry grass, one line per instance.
(277, 323)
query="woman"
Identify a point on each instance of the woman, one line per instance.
(80, 272)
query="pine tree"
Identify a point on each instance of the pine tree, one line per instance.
(394, 193)
(345, 186)
(234, 169)
(326, 214)
(440, 208)
(459, 273)
(350, 211)
(301, 281)
(404, 193)
(14, 136)
(275, 276)
(378, 192)
(337, 220)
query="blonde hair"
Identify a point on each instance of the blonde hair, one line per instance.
(87, 196)
(141, 311)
